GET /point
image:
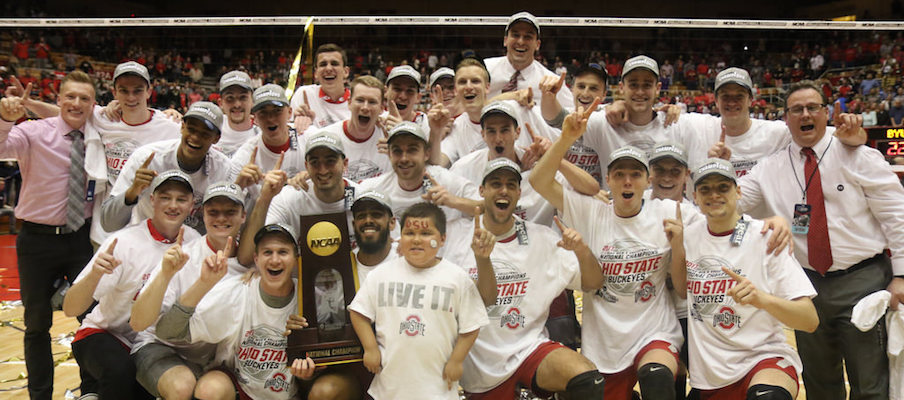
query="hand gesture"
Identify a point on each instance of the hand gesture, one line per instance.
(372, 361)
(250, 173)
(674, 228)
(576, 123)
(617, 113)
(143, 178)
(484, 241)
(393, 118)
(848, 127)
(216, 265)
(525, 97)
(173, 115)
(571, 239)
(105, 263)
(13, 107)
(113, 111)
(304, 115)
(452, 373)
(781, 235)
(719, 149)
(744, 292)
(438, 116)
(550, 85)
(539, 146)
(437, 194)
(672, 113)
(300, 180)
(174, 258)
(274, 180)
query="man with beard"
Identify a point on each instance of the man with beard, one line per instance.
(327, 192)
(129, 201)
(325, 102)
(236, 102)
(530, 272)
(373, 222)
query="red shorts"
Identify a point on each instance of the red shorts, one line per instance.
(620, 385)
(738, 390)
(524, 375)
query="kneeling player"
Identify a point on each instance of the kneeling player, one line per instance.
(530, 271)
(739, 297)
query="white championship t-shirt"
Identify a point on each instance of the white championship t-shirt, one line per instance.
(231, 139)
(364, 270)
(266, 159)
(364, 161)
(725, 339)
(418, 314)
(326, 111)
(140, 251)
(604, 138)
(634, 307)
(699, 132)
(530, 271)
(290, 204)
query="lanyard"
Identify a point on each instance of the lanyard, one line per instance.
(809, 179)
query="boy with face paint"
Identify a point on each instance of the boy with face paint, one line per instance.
(528, 271)
(129, 201)
(737, 346)
(246, 318)
(236, 101)
(115, 278)
(325, 102)
(518, 69)
(178, 371)
(277, 143)
(423, 338)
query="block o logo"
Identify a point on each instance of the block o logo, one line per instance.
(323, 238)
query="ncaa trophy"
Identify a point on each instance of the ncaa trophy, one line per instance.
(327, 283)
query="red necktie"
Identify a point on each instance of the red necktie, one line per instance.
(819, 250)
(512, 84)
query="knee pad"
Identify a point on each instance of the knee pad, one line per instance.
(587, 385)
(768, 392)
(656, 382)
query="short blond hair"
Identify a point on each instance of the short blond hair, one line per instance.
(368, 81)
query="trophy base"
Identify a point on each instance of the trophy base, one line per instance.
(338, 346)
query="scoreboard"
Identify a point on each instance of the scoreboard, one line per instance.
(889, 141)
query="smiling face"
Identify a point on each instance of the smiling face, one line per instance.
(76, 101)
(172, 202)
(331, 71)
(275, 259)
(325, 167)
(717, 197)
(415, 245)
(521, 42)
(733, 101)
(404, 92)
(471, 85)
(806, 128)
(586, 88)
(372, 224)
(499, 133)
(132, 93)
(236, 104)
(501, 191)
(640, 88)
(627, 179)
(223, 217)
(408, 155)
(365, 106)
(272, 120)
(196, 140)
(668, 179)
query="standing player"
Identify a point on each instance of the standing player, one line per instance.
(115, 277)
(277, 142)
(325, 102)
(129, 202)
(518, 69)
(530, 272)
(179, 371)
(236, 102)
(739, 296)
(248, 321)
(361, 133)
(412, 181)
(403, 96)
(328, 192)
(669, 172)
(423, 338)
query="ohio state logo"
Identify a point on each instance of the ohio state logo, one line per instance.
(726, 318)
(277, 383)
(412, 326)
(645, 292)
(512, 319)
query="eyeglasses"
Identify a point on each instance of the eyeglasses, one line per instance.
(811, 108)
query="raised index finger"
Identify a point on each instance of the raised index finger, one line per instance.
(436, 95)
(148, 161)
(229, 244)
(111, 247)
(732, 274)
(560, 81)
(393, 109)
(476, 219)
(278, 165)
(304, 96)
(837, 111)
(559, 223)
(722, 136)
(592, 108)
(253, 158)
(432, 181)
(180, 235)
(678, 211)
(530, 131)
